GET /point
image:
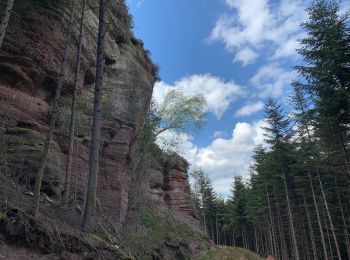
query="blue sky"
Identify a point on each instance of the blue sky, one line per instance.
(237, 53)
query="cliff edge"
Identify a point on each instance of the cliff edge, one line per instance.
(29, 64)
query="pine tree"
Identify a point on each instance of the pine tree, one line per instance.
(207, 201)
(326, 52)
(278, 136)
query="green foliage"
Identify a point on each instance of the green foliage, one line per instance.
(299, 180)
(181, 113)
(326, 75)
(157, 233)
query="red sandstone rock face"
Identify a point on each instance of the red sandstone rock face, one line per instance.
(29, 65)
(171, 188)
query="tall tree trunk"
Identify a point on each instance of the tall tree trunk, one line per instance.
(54, 111)
(342, 215)
(73, 110)
(273, 239)
(290, 215)
(327, 233)
(305, 241)
(284, 253)
(311, 231)
(205, 223)
(328, 215)
(217, 230)
(256, 245)
(318, 217)
(90, 205)
(5, 20)
(233, 239)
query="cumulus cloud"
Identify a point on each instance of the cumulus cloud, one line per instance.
(250, 109)
(218, 93)
(225, 157)
(271, 80)
(255, 24)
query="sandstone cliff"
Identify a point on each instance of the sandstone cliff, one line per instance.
(29, 63)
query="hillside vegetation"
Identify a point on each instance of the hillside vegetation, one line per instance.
(228, 253)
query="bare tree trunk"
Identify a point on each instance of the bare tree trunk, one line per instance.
(54, 111)
(273, 239)
(5, 20)
(73, 111)
(233, 239)
(329, 215)
(217, 230)
(290, 215)
(76, 174)
(284, 253)
(314, 251)
(205, 223)
(347, 242)
(255, 239)
(271, 246)
(343, 217)
(305, 241)
(90, 205)
(318, 217)
(327, 233)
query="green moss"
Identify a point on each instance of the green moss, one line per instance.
(22, 151)
(228, 253)
(158, 235)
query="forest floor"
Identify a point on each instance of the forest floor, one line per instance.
(229, 253)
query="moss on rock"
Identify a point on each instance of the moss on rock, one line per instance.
(22, 153)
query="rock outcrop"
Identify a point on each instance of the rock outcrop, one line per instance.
(29, 64)
(169, 186)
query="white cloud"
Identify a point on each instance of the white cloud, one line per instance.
(256, 24)
(249, 109)
(272, 80)
(223, 186)
(218, 93)
(225, 157)
(246, 56)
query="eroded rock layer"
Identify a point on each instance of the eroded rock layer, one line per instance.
(29, 65)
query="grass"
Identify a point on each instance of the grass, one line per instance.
(229, 253)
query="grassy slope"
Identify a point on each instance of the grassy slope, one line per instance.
(229, 253)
